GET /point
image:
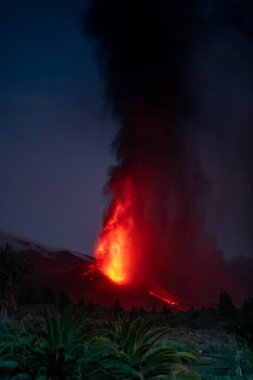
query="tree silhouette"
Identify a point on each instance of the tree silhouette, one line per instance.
(48, 296)
(64, 301)
(13, 268)
(226, 306)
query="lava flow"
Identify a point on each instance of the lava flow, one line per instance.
(168, 300)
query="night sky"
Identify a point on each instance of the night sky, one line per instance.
(55, 132)
(56, 128)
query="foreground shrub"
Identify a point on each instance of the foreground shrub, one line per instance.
(233, 360)
(64, 347)
(246, 326)
(51, 350)
(140, 348)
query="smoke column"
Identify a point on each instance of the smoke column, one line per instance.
(154, 234)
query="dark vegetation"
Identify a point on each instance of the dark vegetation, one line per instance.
(48, 336)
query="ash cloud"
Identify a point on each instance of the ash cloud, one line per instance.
(166, 75)
(221, 70)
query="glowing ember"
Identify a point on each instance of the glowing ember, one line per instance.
(113, 251)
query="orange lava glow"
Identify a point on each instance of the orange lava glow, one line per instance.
(113, 251)
(123, 241)
(168, 300)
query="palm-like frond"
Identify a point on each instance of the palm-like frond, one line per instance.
(50, 349)
(137, 343)
(62, 347)
(65, 332)
(103, 360)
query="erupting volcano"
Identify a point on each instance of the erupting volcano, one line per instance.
(118, 248)
(154, 235)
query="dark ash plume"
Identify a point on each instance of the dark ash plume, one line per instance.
(144, 46)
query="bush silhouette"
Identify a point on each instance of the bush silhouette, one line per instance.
(13, 268)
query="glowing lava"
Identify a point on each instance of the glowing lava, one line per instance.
(124, 239)
(168, 300)
(113, 250)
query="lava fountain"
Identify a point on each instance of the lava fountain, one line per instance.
(118, 246)
(114, 248)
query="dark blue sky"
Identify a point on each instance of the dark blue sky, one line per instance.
(55, 132)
